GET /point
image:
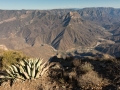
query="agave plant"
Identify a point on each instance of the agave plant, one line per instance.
(26, 69)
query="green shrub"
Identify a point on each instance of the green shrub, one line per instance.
(11, 57)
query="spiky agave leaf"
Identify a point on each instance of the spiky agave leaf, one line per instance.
(40, 70)
(10, 73)
(29, 64)
(36, 60)
(10, 68)
(32, 61)
(4, 77)
(22, 63)
(44, 69)
(33, 71)
(25, 73)
(26, 61)
(29, 71)
(15, 68)
(18, 67)
(39, 62)
(20, 76)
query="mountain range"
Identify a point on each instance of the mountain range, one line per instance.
(61, 29)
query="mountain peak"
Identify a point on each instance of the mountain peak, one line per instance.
(72, 17)
(74, 14)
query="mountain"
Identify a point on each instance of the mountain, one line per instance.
(113, 49)
(101, 15)
(79, 32)
(61, 29)
(109, 19)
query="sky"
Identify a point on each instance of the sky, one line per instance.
(56, 4)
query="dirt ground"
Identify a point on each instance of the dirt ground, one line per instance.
(38, 84)
(22, 85)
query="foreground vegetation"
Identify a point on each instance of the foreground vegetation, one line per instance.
(70, 73)
(8, 58)
(25, 69)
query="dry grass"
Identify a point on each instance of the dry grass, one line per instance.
(91, 80)
(86, 67)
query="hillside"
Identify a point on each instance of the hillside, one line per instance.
(63, 29)
(71, 73)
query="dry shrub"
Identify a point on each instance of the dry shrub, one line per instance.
(106, 57)
(91, 80)
(86, 67)
(76, 62)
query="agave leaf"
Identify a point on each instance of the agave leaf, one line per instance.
(21, 69)
(11, 68)
(30, 64)
(41, 70)
(10, 73)
(15, 68)
(32, 60)
(42, 66)
(18, 68)
(20, 76)
(33, 71)
(8, 77)
(38, 63)
(28, 70)
(2, 76)
(25, 73)
(22, 63)
(26, 62)
(36, 60)
(37, 75)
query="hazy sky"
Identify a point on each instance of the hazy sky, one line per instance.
(55, 4)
